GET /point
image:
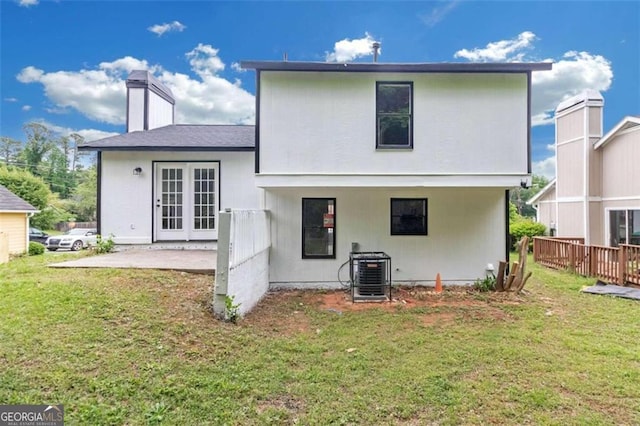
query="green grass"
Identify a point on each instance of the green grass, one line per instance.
(140, 347)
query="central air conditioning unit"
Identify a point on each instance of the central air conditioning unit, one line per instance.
(370, 276)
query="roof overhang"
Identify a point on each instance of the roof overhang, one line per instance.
(295, 180)
(440, 67)
(542, 192)
(168, 148)
(20, 211)
(628, 122)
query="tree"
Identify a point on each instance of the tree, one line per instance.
(519, 196)
(10, 149)
(84, 200)
(30, 188)
(37, 147)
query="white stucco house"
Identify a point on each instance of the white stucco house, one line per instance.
(596, 192)
(413, 160)
(162, 181)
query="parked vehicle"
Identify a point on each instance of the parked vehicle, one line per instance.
(74, 239)
(37, 235)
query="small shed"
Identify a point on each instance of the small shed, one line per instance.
(14, 224)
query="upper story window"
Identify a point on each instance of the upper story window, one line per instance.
(394, 115)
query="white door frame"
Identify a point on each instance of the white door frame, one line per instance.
(178, 214)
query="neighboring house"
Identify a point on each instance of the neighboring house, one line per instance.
(596, 194)
(14, 221)
(166, 182)
(414, 160)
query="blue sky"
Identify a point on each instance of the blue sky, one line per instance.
(64, 63)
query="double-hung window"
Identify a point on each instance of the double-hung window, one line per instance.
(394, 115)
(318, 228)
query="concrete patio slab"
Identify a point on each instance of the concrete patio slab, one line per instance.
(195, 261)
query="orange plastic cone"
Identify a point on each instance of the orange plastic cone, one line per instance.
(438, 283)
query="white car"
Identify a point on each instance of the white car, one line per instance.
(74, 239)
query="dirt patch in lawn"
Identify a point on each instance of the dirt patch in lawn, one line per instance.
(285, 311)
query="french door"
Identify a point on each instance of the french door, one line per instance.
(186, 201)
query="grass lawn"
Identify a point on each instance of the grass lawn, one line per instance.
(140, 347)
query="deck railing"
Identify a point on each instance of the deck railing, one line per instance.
(620, 265)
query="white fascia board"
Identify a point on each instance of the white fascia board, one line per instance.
(389, 180)
(613, 132)
(20, 211)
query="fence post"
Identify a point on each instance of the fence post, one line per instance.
(572, 258)
(222, 265)
(622, 264)
(593, 264)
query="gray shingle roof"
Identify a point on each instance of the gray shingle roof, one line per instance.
(10, 202)
(180, 137)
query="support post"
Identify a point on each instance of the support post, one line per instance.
(622, 264)
(222, 267)
(572, 258)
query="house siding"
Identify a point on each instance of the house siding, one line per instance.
(547, 208)
(465, 233)
(127, 201)
(324, 123)
(14, 226)
(570, 166)
(620, 160)
(570, 126)
(160, 111)
(136, 109)
(570, 219)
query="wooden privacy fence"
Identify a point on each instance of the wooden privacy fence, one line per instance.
(620, 265)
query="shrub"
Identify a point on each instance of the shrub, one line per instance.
(231, 309)
(35, 248)
(527, 228)
(104, 245)
(487, 283)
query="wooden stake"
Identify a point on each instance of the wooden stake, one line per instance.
(512, 276)
(500, 278)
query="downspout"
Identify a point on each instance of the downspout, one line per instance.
(29, 216)
(507, 239)
(99, 191)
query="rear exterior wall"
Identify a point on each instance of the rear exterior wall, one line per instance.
(466, 231)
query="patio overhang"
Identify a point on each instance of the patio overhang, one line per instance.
(289, 180)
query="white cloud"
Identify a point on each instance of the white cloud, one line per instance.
(27, 3)
(347, 50)
(11, 99)
(160, 29)
(237, 68)
(88, 134)
(570, 75)
(546, 167)
(26, 107)
(500, 51)
(438, 13)
(100, 94)
(574, 73)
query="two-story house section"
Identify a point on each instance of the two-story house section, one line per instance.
(413, 160)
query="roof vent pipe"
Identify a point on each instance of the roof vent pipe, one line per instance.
(376, 47)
